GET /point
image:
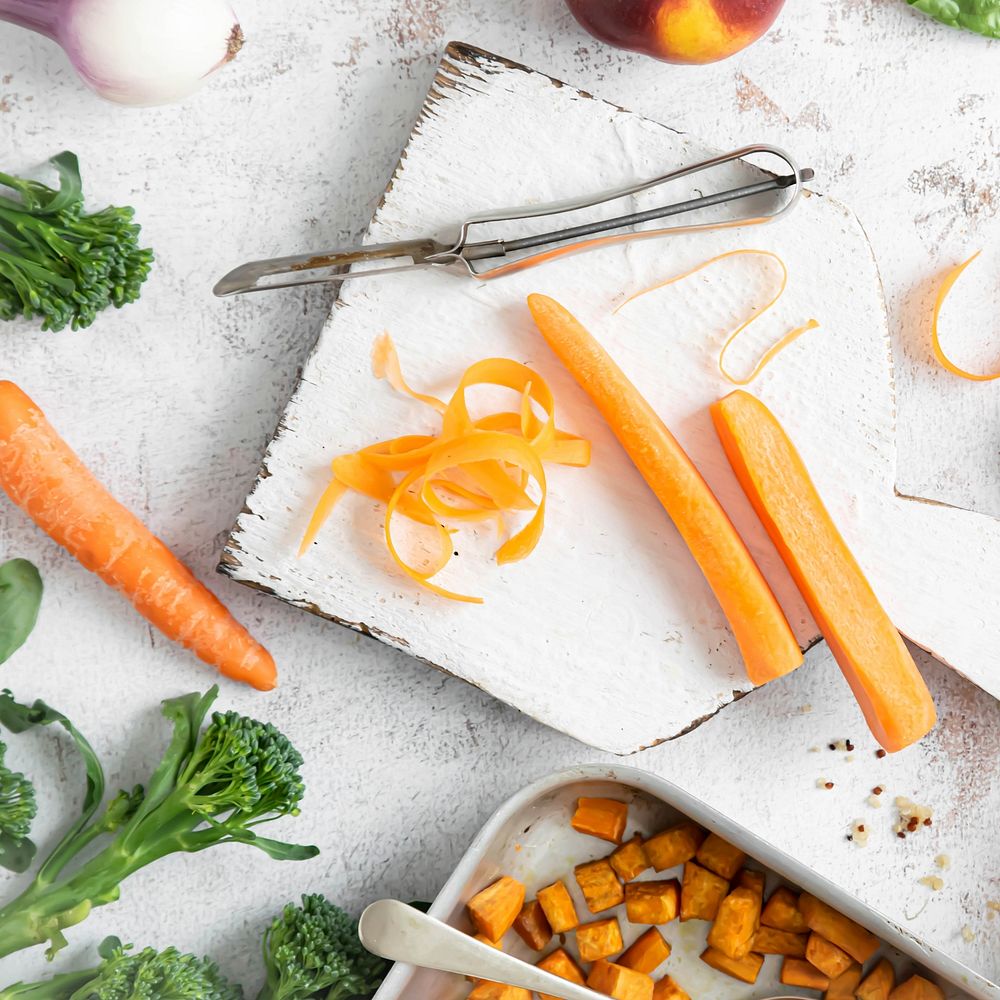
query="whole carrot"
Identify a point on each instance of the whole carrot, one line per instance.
(761, 630)
(46, 479)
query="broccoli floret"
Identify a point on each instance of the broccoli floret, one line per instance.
(17, 810)
(212, 787)
(313, 950)
(147, 975)
(59, 263)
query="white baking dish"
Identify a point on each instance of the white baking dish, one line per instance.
(530, 837)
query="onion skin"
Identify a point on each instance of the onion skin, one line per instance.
(138, 52)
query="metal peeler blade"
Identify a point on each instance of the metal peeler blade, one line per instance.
(507, 256)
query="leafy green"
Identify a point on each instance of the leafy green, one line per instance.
(211, 787)
(981, 16)
(147, 975)
(313, 950)
(17, 810)
(20, 598)
(58, 262)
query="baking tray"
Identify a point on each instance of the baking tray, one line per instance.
(530, 837)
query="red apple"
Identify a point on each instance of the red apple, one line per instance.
(678, 31)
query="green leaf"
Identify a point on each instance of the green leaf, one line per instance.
(981, 16)
(70, 185)
(20, 598)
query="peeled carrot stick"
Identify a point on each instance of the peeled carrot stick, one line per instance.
(762, 632)
(873, 657)
(44, 477)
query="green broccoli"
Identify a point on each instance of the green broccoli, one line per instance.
(313, 950)
(148, 975)
(212, 787)
(982, 16)
(60, 264)
(17, 810)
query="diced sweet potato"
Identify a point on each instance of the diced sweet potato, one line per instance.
(667, 989)
(701, 893)
(879, 983)
(745, 969)
(782, 912)
(750, 878)
(736, 923)
(838, 929)
(674, 846)
(844, 986)
(647, 952)
(599, 885)
(599, 939)
(769, 941)
(826, 956)
(485, 990)
(719, 856)
(532, 926)
(652, 902)
(557, 905)
(560, 963)
(917, 988)
(799, 972)
(630, 860)
(495, 909)
(604, 818)
(621, 983)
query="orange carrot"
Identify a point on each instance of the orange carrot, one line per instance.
(46, 479)
(873, 657)
(762, 632)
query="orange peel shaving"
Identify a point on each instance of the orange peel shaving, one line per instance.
(942, 358)
(775, 349)
(476, 469)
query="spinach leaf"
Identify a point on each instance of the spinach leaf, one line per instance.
(982, 16)
(20, 596)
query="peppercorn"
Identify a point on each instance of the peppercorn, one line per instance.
(877, 790)
(880, 754)
(829, 784)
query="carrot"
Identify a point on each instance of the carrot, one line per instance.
(871, 654)
(762, 632)
(46, 479)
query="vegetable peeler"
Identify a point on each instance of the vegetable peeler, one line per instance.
(490, 258)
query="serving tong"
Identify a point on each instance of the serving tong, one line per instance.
(486, 259)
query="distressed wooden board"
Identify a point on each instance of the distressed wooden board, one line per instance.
(608, 632)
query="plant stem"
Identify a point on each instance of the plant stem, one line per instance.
(37, 15)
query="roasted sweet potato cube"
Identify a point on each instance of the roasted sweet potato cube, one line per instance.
(768, 941)
(599, 885)
(621, 983)
(599, 939)
(782, 912)
(736, 923)
(799, 972)
(674, 846)
(495, 909)
(879, 983)
(560, 963)
(557, 905)
(917, 988)
(843, 987)
(485, 990)
(701, 893)
(827, 957)
(648, 951)
(719, 856)
(667, 989)
(750, 878)
(604, 818)
(745, 969)
(630, 860)
(838, 929)
(653, 902)
(532, 926)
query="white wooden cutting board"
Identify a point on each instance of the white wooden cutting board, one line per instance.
(608, 632)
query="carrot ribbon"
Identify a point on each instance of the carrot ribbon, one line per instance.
(943, 358)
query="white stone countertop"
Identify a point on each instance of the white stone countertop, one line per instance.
(171, 402)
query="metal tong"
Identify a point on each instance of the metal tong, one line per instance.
(493, 258)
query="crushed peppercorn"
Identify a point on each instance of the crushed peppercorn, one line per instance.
(829, 784)
(877, 790)
(880, 753)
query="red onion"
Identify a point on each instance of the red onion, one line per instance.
(136, 51)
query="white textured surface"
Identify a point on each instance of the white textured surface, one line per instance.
(173, 400)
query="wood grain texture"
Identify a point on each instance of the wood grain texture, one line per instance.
(625, 607)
